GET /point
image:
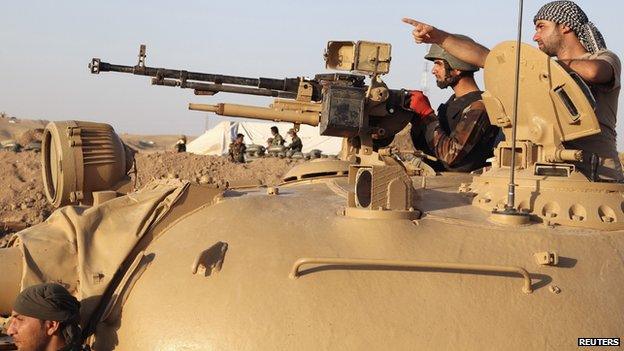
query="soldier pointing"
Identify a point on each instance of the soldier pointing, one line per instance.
(460, 136)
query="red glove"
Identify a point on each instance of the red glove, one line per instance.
(420, 104)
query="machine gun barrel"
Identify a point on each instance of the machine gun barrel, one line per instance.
(207, 83)
(211, 89)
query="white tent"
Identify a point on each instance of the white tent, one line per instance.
(216, 140)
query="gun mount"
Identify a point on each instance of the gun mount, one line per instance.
(341, 104)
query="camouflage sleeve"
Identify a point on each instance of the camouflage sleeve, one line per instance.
(296, 144)
(279, 140)
(231, 152)
(452, 148)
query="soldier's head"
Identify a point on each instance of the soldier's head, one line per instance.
(559, 24)
(45, 316)
(292, 132)
(448, 69)
(239, 138)
(274, 130)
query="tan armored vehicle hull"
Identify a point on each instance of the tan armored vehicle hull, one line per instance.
(261, 271)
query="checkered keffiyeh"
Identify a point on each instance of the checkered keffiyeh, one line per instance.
(571, 15)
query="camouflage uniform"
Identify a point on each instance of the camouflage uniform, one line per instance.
(296, 145)
(277, 140)
(237, 152)
(461, 136)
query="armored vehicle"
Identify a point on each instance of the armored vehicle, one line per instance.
(345, 254)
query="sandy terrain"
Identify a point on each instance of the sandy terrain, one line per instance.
(152, 143)
(19, 129)
(22, 201)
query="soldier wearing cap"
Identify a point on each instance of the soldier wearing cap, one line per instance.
(295, 145)
(460, 136)
(45, 317)
(237, 149)
(562, 30)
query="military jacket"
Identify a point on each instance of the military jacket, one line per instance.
(296, 144)
(236, 152)
(461, 136)
(277, 140)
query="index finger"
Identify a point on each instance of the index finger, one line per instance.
(413, 22)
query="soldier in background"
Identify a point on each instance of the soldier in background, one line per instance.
(45, 317)
(295, 145)
(180, 145)
(460, 136)
(277, 139)
(237, 149)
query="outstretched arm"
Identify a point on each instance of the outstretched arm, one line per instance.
(464, 49)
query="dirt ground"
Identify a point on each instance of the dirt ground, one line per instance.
(22, 200)
(192, 167)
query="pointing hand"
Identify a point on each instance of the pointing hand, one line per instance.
(423, 33)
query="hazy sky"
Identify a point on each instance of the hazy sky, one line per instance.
(46, 46)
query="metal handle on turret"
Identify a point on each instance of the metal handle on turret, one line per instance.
(398, 264)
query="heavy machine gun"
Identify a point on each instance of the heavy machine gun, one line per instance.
(341, 103)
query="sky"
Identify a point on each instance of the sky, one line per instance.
(46, 47)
